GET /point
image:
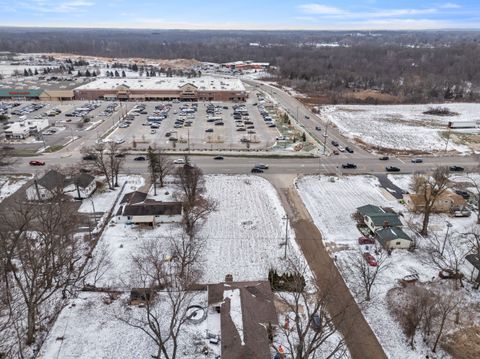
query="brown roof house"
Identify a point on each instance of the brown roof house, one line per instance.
(136, 208)
(444, 203)
(240, 313)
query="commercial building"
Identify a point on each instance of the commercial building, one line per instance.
(163, 88)
(22, 129)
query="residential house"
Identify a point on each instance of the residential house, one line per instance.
(81, 186)
(136, 208)
(46, 187)
(245, 311)
(393, 238)
(472, 265)
(444, 203)
(376, 217)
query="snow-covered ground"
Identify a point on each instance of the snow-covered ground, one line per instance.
(242, 237)
(331, 205)
(401, 127)
(11, 184)
(332, 200)
(89, 329)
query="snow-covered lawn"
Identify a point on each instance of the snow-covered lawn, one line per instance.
(11, 184)
(89, 329)
(331, 205)
(332, 200)
(401, 127)
(242, 237)
(104, 199)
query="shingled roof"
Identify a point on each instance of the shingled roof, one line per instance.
(137, 204)
(52, 180)
(248, 338)
(83, 180)
(379, 216)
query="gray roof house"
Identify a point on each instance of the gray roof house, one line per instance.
(246, 310)
(393, 237)
(46, 187)
(472, 264)
(376, 217)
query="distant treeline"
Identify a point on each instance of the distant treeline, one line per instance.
(412, 66)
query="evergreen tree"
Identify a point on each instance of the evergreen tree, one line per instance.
(117, 74)
(25, 72)
(124, 74)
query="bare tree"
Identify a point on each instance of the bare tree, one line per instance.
(447, 254)
(159, 166)
(6, 156)
(309, 329)
(170, 295)
(368, 274)
(430, 188)
(446, 305)
(108, 159)
(41, 255)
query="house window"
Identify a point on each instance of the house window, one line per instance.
(398, 243)
(129, 217)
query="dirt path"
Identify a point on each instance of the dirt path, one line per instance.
(359, 337)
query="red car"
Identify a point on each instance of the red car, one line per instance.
(37, 163)
(366, 240)
(370, 259)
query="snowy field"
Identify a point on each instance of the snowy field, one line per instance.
(242, 237)
(331, 205)
(89, 329)
(401, 127)
(11, 184)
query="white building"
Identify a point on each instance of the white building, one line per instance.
(47, 187)
(22, 129)
(81, 186)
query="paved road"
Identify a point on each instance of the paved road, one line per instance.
(346, 315)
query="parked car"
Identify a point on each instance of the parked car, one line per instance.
(256, 170)
(209, 130)
(37, 163)
(307, 117)
(348, 149)
(89, 158)
(417, 160)
(261, 166)
(464, 194)
(349, 165)
(370, 259)
(366, 240)
(120, 155)
(455, 169)
(139, 158)
(318, 128)
(384, 158)
(335, 143)
(218, 158)
(317, 322)
(392, 169)
(335, 152)
(179, 161)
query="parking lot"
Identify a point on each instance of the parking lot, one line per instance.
(188, 125)
(66, 120)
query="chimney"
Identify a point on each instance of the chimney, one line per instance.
(228, 278)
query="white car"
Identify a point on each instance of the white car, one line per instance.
(119, 141)
(179, 161)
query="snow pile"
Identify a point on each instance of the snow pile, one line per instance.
(401, 127)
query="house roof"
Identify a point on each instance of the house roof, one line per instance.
(457, 200)
(83, 180)
(257, 310)
(51, 180)
(379, 216)
(474, 260)
(152, 209)
(386, 235)
(134, 197)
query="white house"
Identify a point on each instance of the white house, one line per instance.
(136, 208)
(46, 187)
(81, 186)
(377, 218)
(472, 265)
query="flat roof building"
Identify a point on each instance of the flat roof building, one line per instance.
(163, 88)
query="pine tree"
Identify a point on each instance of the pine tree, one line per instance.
(124, 74)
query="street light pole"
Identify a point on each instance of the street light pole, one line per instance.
(449, 225)
(286, 236)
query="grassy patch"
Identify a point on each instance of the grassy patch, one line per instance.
(52, 149)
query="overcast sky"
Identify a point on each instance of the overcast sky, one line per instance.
(244, 14)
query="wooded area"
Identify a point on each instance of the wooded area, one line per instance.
(410, 66)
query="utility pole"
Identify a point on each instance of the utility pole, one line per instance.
(449, 225)
(325, 138)
(286, 235)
